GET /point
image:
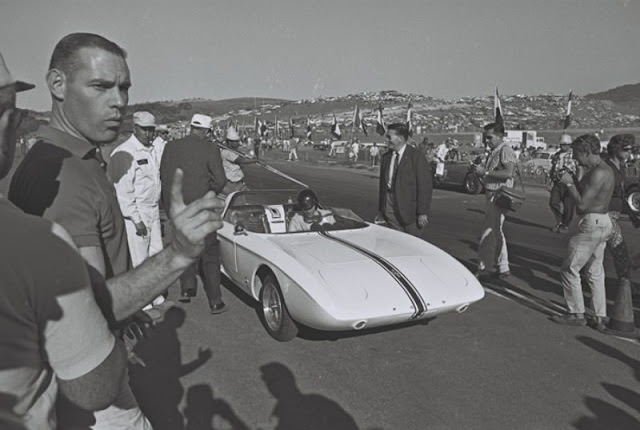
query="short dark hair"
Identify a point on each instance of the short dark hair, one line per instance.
(400, 129)
(495, 127)
(586, 144)
(619, 141)
(65, 56)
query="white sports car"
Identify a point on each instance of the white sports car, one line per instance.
(345, 276)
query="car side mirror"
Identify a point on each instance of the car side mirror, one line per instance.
(239, 230)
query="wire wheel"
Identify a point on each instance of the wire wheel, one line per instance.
(275, 315)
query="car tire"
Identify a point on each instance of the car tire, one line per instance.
(539, 171)
(274, 313)
(472, 183)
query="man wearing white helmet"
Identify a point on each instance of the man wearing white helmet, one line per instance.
(233, 162)
(134, 170)
(560, 201)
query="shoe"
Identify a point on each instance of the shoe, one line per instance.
(556, 228)
(219, 308)
(501, 275)
(185, 296)
(598, 323)
(483, 275)
(563, 229)
(569, 319)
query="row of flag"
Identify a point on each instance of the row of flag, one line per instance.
(358, 122)
(499, 118)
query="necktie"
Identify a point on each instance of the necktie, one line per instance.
(393, 166)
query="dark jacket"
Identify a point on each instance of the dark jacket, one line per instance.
(617, 198)
(201, 163)
(412, 185)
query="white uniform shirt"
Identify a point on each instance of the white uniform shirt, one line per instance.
(442, 152)
(135, 171)
(232, 171)
(298, 223)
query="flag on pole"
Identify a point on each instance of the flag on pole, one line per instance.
(277, 130)
(335, 128)
(497, 108)
(356, 117)
(381, 129)
(567, 118)
(263, 128)
(291, 129)
(363, 125)
(410, 118)
(309, 129)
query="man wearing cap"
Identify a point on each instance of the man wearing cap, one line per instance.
(203, 172)
(134, 169)
(232, 162)
(63, 179)
(53, 338)
(560, 201)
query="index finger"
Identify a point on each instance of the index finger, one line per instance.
(177, 200)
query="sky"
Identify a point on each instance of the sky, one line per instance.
(303, 49)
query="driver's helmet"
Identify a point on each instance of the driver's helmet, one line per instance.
(307, 199)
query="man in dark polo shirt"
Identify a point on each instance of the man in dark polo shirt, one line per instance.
(53, 338)
(62, 178)
(202, 163)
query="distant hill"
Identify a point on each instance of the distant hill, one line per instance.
(623, 94)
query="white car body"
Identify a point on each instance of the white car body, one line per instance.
(345, 279)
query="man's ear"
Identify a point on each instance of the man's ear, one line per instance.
(57, 83)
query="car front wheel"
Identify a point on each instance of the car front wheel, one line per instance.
(275, 315)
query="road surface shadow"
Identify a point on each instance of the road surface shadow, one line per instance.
(295, 410)
(157, 384)
(202, 409)
(606, 415)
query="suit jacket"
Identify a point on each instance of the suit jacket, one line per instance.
(412, 185)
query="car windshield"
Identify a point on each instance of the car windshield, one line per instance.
(271, 211)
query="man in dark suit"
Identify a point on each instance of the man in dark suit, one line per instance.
(404, 199)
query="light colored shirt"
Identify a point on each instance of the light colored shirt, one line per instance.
(135, 172)
(298, 223)
(442, 152)
(232, 170)
(498, 159)
(374, 151)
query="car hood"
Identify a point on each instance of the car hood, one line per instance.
(356, 277)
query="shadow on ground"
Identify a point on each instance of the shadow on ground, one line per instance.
(610, 414)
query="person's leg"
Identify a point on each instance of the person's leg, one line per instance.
(188, 281)
(618, 248)
(595, 278)
(580, 251)
(501, 253)
(555, 203)
(211, 270)
(486, 250)
(138, 245)
(569, 207)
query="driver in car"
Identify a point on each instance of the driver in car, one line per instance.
(311, 216)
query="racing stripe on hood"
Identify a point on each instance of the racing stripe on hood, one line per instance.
(410, 289)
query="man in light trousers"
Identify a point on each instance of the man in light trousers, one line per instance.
(586, 247)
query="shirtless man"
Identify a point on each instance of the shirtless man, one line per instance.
(586, 247)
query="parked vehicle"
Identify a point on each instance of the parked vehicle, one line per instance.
(460, 170)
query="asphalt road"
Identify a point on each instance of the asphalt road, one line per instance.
(500, 365)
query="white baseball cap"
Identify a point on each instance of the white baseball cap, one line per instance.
(565, 139)
(144, 119)
(232, 134)
(201, 121)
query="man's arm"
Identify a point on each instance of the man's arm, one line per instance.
(132, 290)
(586, 199)
(425, 185)
(121, 170)
(89, 363)
(217, 177)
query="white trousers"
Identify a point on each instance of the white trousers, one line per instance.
(143, 247)
(492, 249)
